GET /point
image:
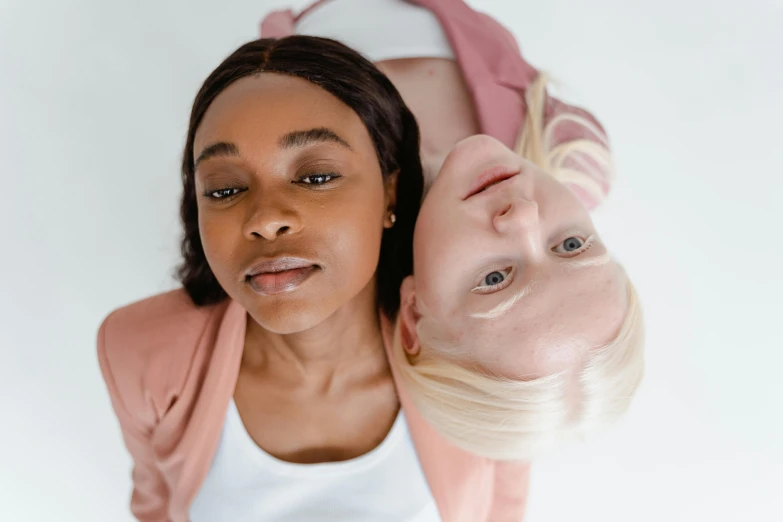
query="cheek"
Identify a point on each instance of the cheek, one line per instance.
(218, 241)
(429, 236)
(441, 251)
(356, 245)
(353, 234)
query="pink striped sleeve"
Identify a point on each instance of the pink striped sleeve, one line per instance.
(579, 151)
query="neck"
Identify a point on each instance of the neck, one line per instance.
(346, 345)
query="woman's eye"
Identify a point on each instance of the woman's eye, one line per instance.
(317, 179)
(571, 245)
(222, 193)
(494, 279)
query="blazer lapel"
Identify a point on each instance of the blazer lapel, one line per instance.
(221, 350)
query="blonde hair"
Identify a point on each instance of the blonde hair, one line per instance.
(507, 419)
(583, 161)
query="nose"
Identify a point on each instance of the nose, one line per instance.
(520, 220)
(270, 218)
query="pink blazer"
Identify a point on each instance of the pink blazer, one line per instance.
(171, 369)
(497, 75)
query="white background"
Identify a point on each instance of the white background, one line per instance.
(94, 101)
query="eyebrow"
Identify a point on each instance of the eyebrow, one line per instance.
(221, 148)
(506, 305)
(294, 139)
(308, 137)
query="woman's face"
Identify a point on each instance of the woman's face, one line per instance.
(508, 259)
(291, 200)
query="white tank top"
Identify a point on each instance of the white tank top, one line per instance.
(247, 484)
(378, 29)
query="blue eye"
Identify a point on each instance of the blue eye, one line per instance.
(572, 243)
(494, 281)
(494, 278)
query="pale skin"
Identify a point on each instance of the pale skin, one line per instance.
(568, 309)
(436, 93)
(314, 383)
(516, 272)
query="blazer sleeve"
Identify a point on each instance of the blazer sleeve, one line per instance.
(575, 136)
(580, 151)
(149, 500)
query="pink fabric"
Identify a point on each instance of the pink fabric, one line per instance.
(497, 76)
(171, 369)
(491, 64)
(277, 24)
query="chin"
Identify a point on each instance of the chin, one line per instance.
(289, 318)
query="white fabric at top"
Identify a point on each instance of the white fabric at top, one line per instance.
(378, 29)
(247, 484)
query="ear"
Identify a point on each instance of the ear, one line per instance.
(390, 197)
(409, 316)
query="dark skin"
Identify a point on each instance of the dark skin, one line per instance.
(286, 170)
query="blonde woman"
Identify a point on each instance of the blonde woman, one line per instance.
(517, 329)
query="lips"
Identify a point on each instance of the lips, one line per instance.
(491, 177)
(276, 276)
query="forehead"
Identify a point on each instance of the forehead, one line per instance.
(267, 105)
